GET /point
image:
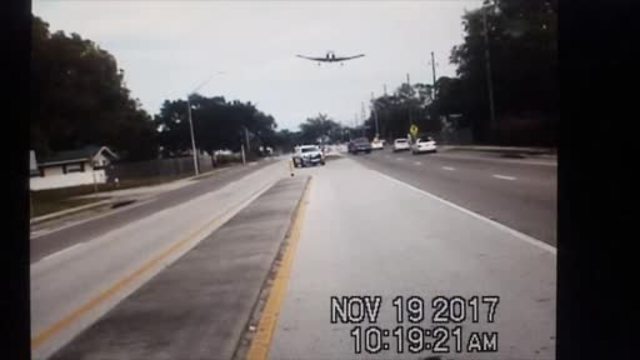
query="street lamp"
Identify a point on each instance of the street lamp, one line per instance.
(196, 167)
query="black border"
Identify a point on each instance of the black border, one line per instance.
(595, 304)
(598, 68)
(15, 61)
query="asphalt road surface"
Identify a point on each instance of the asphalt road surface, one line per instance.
(103, 261)
(44, 245)
(519, 193)
(472, 228)
(368, 234)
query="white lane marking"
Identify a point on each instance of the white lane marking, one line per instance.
(399, 159)
(50, 256)
(448, 168)
(526, 238)
(504, 177)
(418, 163)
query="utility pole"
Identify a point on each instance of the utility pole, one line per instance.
(375, 114)
(410, 117)
(433, 72)
(488, 68)
(246, 135)
(362, 117)
(384, 87)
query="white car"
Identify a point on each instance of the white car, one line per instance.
(377, 145)
(401, 144)
(307, 155)
(424, 145)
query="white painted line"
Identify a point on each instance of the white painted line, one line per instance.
(504, 177)
(50, 256)
(526, 238)
(399, 159)
(418, 163)
(448, 168)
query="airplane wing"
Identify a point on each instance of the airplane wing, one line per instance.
(312, 58)
(347, 57)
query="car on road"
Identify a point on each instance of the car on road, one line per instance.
(308, 155)
(424, 145)
(359, 145)
(377, 145)
(401, 144)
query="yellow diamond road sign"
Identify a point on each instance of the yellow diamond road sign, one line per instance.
(413, 130)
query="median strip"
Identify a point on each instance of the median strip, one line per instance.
(261, 343)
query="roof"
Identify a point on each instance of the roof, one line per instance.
(84, 154)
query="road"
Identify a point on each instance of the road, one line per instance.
(50, 243)
(519, 193)
(368, 234)
(98, 263)
(380, 225)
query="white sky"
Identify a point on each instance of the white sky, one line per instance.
(168, 48)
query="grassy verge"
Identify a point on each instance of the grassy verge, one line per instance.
(49, 201)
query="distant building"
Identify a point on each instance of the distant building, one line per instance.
(84, 166)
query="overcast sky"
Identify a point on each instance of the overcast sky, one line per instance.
(168, 48)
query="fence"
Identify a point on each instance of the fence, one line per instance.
(175, 167)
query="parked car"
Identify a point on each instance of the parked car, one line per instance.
(424, 145)
(308, 155)
(359, 145)
(401, 144)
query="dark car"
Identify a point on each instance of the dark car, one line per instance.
(359, 145)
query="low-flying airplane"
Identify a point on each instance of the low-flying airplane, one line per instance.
(330, 57)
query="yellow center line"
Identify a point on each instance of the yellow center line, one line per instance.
(156, 261)
(261, 343)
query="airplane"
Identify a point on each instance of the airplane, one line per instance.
(330, 57)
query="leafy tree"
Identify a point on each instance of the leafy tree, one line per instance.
(218, 124)
(320, 129)
(78, 98)
(522, 36)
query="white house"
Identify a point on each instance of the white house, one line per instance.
(72, 168)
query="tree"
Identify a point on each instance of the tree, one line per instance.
(78, 98)
(522, 36)
(320, 129)
(218, 124)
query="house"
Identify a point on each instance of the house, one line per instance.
(84, 166)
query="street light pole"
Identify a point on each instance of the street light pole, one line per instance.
(193, 139)
(196, 167)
